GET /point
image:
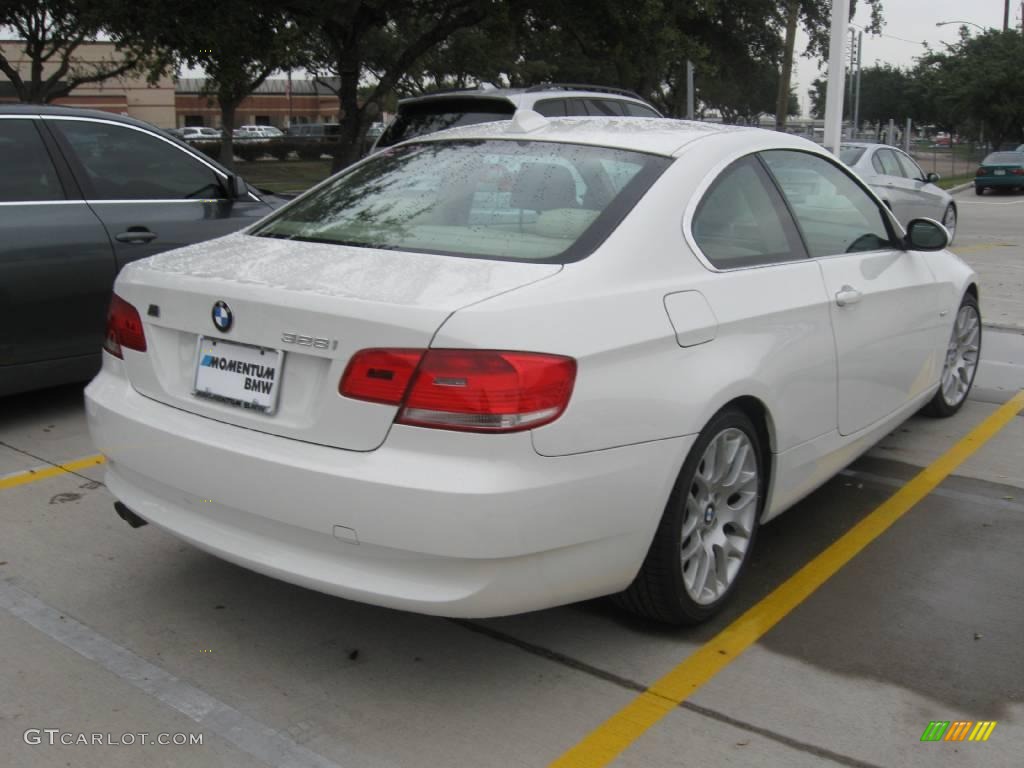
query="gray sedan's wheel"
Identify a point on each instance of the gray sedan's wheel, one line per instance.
(961, 364)
(949, 221)
(708, 528)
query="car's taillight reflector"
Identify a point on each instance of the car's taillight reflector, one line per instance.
(124, 328)
(464, 389)
(380, 375)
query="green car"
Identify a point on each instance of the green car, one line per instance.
(1000, 170)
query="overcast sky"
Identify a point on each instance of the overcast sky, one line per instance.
(908, 20)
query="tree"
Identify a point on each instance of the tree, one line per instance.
(975, 86)
(53, 31)
(378, 40)
(237, 44)
(885, 95)
(816, 17)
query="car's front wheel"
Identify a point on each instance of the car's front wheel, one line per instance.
(961, 364)
(708, 529)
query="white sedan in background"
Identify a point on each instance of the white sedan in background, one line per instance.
(521, 364)
(897, 178)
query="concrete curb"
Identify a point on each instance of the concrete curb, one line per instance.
(960, 187)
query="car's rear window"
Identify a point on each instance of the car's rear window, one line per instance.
(513, 200)
(434, 115)
(850, 155)
(1004, 158)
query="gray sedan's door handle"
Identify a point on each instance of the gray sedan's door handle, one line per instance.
(847, 296)
(135, 235)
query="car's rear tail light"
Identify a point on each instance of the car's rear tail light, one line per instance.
(981, 172)
(124, 328)
(467, 390)
(1017, 171)
(380, 375)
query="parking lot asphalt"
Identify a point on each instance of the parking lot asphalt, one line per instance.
(109, 630)
(990, 238)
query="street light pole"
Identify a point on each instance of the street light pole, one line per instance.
(856, 89)
(836, 75)
(971, 23)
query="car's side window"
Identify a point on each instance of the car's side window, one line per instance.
(835, 214)
(638, 110)
(28, 173)
(910, 169)
(887, 158)
(124, 164)
(550, 108)
(576, 108)
(742, 221)
(604, 107)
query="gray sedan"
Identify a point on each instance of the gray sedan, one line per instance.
(83, 193)
(908, 191)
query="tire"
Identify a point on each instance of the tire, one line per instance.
(961, 364)
(949, 217)
(979, 191)
(665, 587)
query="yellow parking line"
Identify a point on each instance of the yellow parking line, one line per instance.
(33, 475)
(608, 740)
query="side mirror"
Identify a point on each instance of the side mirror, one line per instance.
(932, 178)
(237, 187)
(926, 235)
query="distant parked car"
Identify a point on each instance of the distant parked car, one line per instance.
(257, 132)
(199, 133)
(897, 178)
(1000, 170)
(83, 193)
(432, 112)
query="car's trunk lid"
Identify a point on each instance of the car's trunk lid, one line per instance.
(317, 303)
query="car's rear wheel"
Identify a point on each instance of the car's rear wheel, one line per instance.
(949, 221)
(961, 365)
(708, 529)
(979, 190)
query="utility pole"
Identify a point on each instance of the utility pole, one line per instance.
(852, 73)
(836, 74)
(689, 90)
(856, 96)
(1006, 15)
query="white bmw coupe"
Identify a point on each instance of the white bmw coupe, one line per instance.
(520, 364)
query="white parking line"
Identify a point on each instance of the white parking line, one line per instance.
(251, 736)
(984, 202)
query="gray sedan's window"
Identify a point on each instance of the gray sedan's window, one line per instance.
(887, 159)
(910, 169)
(741, 222)
(522, 200)
(28, 175)
(850, 155)
(834, 213)
(124, 164)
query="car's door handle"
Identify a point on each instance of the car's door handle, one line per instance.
(135, 235)
(847, 296)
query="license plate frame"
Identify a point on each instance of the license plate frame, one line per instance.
(253, 354)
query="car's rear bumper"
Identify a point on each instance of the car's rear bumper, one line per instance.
(447, 523)
(999, 181)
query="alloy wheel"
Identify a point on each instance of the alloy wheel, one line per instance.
(961, 356)
(719, 516)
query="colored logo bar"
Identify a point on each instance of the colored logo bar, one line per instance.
(958, 730)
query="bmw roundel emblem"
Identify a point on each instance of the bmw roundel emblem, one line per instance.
(222, 317)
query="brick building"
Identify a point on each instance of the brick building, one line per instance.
(277, 102)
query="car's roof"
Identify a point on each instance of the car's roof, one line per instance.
(661, 136)
(47, 109)
(863, 145)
